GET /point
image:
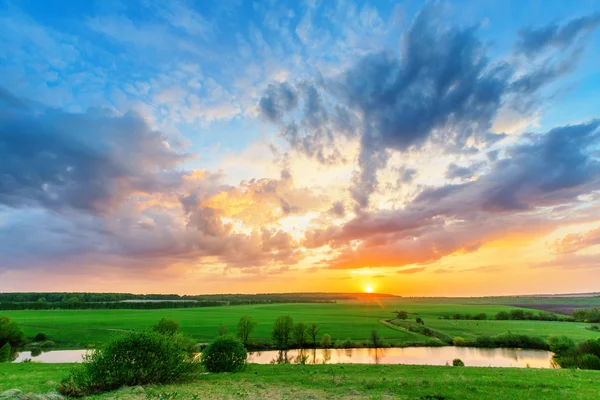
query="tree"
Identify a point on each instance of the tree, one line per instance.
(223, 330)
(245, 328)
(166, 327)
(300, 334)
(313, 330)
(10, 332)
(420, 321)
(282, 330)
(376, 339)
(402, 315)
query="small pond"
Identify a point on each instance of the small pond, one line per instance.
(472, 357)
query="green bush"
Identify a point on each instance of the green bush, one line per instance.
(502, 316)
(484, 341)
(458, 341)
(10, 332)
(457, 362)
(561, 345)
(346, 344)
(166, 327)
(224, 354)
(589, 361)
(511, 340)
(138, 358)
(326, 340)
(40, 337)
(5, 353)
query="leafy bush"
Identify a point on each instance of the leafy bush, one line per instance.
(224, 354)
(484, 341)
(139, 358)
(457, 362)
(589, 361)
(561, 345)
(40, 337)
(166, 327)
(10, 332)
(502, 315)
(402, 315)
(326, 340)
(5, 353)
(458, 341)
(511, 340)
(346, 344)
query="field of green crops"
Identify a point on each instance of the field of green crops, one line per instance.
(344, 319)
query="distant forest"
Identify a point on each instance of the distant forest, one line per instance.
(82, 301)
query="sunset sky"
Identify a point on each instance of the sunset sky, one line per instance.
(437, 148)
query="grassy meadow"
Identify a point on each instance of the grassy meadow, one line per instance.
(345, 319)
(336, 382)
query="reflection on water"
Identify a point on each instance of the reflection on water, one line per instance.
(410, 355)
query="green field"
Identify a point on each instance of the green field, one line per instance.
(336, 382)
(344, 319)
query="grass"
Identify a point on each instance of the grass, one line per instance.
(337, 382)
(345, 319)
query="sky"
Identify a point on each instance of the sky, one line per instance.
(432, 148)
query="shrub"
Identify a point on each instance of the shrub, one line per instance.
(40, 337)
(166, 327)
(402, 315)
(480, 316)
(458, 341)
(5, 352)
(511, 340)
(419, 321)
(224, 354)
(484, 341)
(326, 340)
(590, 346)
(589, 361)
(346, 344)
(138, 358)
(457, 362)
(10, 332)
(561, 345)
(502, 315)
(282, 330)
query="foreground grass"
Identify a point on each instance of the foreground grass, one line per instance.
(337, 382)
(349, 319)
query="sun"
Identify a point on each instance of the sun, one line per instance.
(369, 289)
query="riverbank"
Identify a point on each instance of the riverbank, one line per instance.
(337, 382)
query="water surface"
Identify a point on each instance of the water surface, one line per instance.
(472, 357)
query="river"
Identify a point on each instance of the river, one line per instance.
(471, 356)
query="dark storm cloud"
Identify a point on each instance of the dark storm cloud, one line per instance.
(534, 40)
(87, 161)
